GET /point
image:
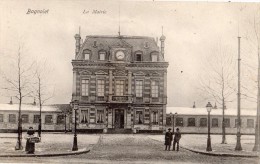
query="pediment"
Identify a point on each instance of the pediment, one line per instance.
(155, 74)
(101, 73)
(85, 72)
(139, 73)
(119, 73)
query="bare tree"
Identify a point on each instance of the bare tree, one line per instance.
(18, 87)
(217, 80)
(41, 89)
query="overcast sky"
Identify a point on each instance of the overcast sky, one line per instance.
(192, 29)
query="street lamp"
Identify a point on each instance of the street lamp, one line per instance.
(209, 107)
(75, 142)
(174, 120)
(65, 122)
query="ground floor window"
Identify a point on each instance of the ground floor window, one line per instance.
(179, 121)
(203, 122)
(84, 116)
(236, 122)
(139, 119)
(36, 119)
(168, 120)
(214, 122)
(48, 119)
(250, 123)
(25, 118)
(227, 122)
(191, 122)
(60, 119)
(100, 116)
(12, 118)
(155, 117)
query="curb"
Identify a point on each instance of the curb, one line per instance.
(220, 154)
(82, 151)
(215, 154)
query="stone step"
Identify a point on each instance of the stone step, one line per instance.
(119, 131)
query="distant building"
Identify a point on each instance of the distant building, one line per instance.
(120, 83)
(191, 120)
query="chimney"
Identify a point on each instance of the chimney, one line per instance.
(194, 106)
(162, 39)
(11, 101)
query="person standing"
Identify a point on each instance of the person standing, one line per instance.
(30, 147)
(168, 139)
(177, 137)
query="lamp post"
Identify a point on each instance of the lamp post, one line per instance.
(75, 141)
(209, 107)
(65, 122)
(174, 120)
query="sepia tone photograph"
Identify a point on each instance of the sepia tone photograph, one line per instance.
(129, 81)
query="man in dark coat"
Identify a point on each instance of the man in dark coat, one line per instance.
(176, 139)
(168, 139)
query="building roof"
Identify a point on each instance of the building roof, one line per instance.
(203, 111)
(35, 108)
(105, 42)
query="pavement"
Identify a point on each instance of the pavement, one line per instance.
(60, 144)
(52, 144)
(123, 148)
(198, 143)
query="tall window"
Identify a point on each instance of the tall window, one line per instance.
(84, 116)
(139, 88)
(138, 57)
(84, 87)
(168, 120)
(102, 56)
(60, 119)
(1, 118)
(155, 117)
(191, 121)
(48, 119)
(86, 56)
(119, 87)
(101, 88)
(227, 122)
(179, 121)
(155, 89)
(139, 119)
(12, 118)
(154, 58)
(100, 115)
(25, 118)
(214, 122)
(36, 118)
(250, 123)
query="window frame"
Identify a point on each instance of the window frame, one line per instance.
(101, 53)
(227, 122)
(86, 111)
(35, 116)
(27, 119)
(51, 119)
(9, 118)
(100, 112)
(203, 122)
(156, 89)
(140, 118)
(214, 125)
(154, 55)
(120, 87)
(177, 123)
(139, 89)
(102, 89)
(60, 121)
(86, 85)
(155, 117)
(189, 122)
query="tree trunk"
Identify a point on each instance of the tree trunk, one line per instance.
(223, 123)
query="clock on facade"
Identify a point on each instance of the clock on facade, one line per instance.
(120, 55)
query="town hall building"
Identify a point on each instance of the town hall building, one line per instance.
(120, 83)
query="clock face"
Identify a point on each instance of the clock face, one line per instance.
(120, 55)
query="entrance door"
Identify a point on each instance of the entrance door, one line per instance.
(119, 118)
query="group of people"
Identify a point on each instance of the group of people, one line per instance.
(168, 139)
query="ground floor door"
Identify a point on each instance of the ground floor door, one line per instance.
(119, 118)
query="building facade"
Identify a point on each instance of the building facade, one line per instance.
(120, 82)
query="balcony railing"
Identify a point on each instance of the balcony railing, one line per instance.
(121, 98)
